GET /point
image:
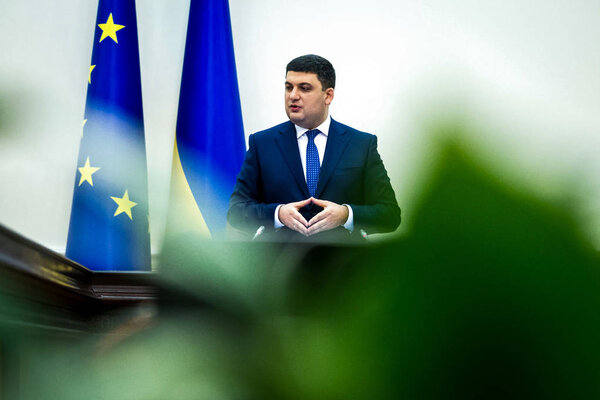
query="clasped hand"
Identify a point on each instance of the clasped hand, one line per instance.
(332, 216)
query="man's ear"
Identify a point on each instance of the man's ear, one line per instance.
(328, 95)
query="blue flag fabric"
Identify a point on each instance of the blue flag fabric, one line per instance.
(209, 141)
(108, 229)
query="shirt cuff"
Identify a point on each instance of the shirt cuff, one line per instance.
(277, 223)
(349, 225)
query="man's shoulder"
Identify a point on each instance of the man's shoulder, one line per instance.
(283, 127)
(346, 129)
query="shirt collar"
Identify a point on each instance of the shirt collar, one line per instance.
(324, 128)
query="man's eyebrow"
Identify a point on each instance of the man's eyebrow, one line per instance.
(300, 84)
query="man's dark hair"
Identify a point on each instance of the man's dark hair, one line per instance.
(314, 64)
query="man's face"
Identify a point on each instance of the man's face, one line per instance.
(306, 103)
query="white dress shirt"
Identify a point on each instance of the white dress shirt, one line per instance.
(321, 143)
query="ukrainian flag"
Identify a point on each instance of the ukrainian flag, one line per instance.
(108, 229)
(209, 140)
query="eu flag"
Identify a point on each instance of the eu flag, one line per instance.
(209, 141)
(108, 229)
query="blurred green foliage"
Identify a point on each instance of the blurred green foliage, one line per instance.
(493, 294)
(10, 102)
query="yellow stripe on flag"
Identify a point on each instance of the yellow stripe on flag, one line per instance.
(184, 215)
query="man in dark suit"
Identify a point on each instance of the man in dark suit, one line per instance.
(312, 177)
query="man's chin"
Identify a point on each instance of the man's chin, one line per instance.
(295, 118)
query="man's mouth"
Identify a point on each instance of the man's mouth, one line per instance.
(295, 108)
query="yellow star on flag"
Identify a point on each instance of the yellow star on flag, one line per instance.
(90, 75)
(125, 205)
(82, 125)
(109, 29)
(86, 172)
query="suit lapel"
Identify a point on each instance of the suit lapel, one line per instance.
(337, 140)
(288, 145)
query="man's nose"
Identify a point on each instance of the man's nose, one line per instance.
(294, 93)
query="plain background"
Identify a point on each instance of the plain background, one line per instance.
(522, 77)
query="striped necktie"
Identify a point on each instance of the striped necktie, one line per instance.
(312, 162)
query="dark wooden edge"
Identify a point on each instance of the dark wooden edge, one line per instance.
(31, 260)
(124, 286)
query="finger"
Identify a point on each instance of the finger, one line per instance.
(298, 227)
(321, 203)
(320, 226)
(288, 212)
(298, 217)
(301, 225)
(287, 217)
(300, 204)
(317, 218)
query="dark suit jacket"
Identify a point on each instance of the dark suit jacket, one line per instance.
(352, 173)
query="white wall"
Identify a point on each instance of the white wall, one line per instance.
(523, 75)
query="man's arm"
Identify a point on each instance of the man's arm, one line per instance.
(380, 212)
(246, 209)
